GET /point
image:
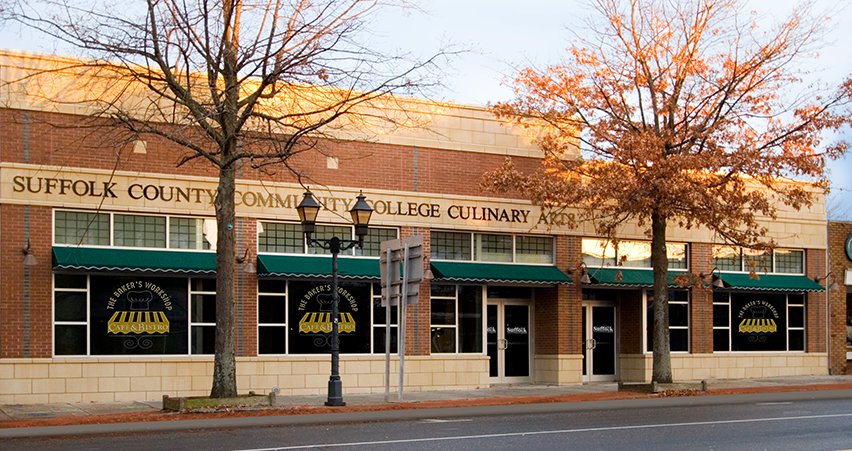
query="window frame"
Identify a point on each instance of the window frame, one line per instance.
(773, 260)
(646, 320)
(473, 251)
(730, 325)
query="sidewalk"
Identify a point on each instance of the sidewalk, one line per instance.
(42, 416)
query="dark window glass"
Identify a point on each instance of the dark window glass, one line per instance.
(203, 339)
(271, 310)
(759, 322)
(797, 340)
(138, 315)
(272, 286)
(797, 316)
(470, 319)
(140, 231)
(679, 339)
(796, 299)
(272, 340)
(720, 340)
(69, 281)
(69, 306)
(373, 241)
(310, 322)
(444, 290)
(720, 315)
(721, 296)
(81, 228)
(443, 340)
(678, 315)
(443, 311)
(203, 285)
(327, 232)
(204, 308)
(379, 312)
(379, 340)
(69, 340)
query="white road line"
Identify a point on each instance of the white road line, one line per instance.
(447, 420)
(561, 431)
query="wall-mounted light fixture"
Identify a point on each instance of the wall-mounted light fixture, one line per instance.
(715, 278)
(584, 274)
(248, 264)
(29, 258)
(831, 285)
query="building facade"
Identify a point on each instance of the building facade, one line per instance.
(839, 284)
(108, 279)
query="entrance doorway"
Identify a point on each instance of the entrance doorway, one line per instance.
(599, 344)
(508, 339)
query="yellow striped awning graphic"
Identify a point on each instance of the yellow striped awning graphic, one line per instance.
(320, 323)
(758, 326)
(138, 323)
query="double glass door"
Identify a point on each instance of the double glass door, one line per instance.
(599, 342)
(508, 341)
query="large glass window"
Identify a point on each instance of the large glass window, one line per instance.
(373, 241)
(81, 228)
(629, 254)
(310, 321)
(758, 321)
(456, 321)
(283, 238)
(125, 230)
(123, 315)
(485, 247)
(202, 295)
(271, 316)
(188, 233)
(678, 321)
(289, 238)
(782, 261)
(379, 321)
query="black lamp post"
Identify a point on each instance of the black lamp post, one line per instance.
(308, 210)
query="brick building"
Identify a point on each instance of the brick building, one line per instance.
(108, 272)
(839, 282)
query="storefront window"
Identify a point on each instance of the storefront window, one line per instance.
(379, 321)
(289, 238)
(678, 321)
(271, 316)
(451, 245)
(77, 228)
(492, 248)
(309, 308)
(130, 315)
(789, 261)
(756, 321)
(282, 238)
(456, 321)
(373, 241)
(533, 249)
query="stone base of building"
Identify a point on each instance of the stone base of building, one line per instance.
(693, 367)
(558, 369)
(31, 381)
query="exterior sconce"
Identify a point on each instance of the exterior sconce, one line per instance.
(584, 274)
(248, 264)
(715, 278)
(29, 258)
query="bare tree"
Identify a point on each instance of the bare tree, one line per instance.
(685, 117)
(231, 82)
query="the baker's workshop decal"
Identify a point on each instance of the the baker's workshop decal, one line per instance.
(139, 316)
(760, 323)
(311, 311)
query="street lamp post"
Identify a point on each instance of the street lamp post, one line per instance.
(308, 210)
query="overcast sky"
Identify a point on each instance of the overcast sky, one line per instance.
(504, 34)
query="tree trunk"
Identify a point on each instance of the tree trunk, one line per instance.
(224, 364)
(662, 371)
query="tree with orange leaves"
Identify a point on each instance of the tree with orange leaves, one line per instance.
(683, 114)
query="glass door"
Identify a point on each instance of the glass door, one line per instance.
(599, 342)
(508, 341)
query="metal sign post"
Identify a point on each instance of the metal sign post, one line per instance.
(399, 285)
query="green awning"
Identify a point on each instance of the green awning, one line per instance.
(498, 273)
(770, 282)
(609, 277)
(316, 267)
(151, 261)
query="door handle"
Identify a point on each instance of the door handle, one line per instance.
(503, 343)
(591, 344)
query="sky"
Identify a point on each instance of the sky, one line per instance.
(503, 35)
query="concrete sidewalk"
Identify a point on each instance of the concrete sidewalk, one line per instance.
(45, 415)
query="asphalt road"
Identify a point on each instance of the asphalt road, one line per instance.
(800, 421)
